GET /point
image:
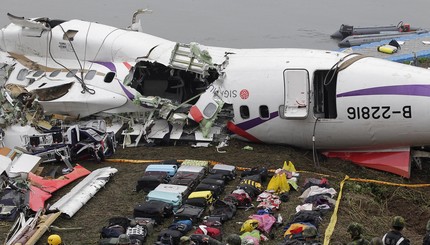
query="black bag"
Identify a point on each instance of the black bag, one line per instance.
(112, 231)
(201, 239)
(308, 216)
(189, 212)
(223, 209)
(153, 209)
(217, 177)
(252, 187)
(215, 189)
(116, 226)
(152, 179)
(137, 234)
(169, 237)
(213, 181)
(226, 174)
(261, 171)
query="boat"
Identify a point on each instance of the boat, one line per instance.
(349, 30)
(353, 36)
(356, 40)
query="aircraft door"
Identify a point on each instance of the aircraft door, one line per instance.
(296, 94)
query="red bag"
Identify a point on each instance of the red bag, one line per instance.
(210, 231)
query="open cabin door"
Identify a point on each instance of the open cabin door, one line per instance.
(296, 90)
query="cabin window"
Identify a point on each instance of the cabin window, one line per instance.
(72, 73)
(325, 94)
(38, 73)
(22, 74)
(90, 75)
(109, 77)
(55, 73)
(210, 110)
(264, 112)
(244, 112)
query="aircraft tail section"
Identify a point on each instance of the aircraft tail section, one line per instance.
(397, 161)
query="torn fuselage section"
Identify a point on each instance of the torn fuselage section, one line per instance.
(173, 89)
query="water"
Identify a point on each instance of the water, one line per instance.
(233, 23)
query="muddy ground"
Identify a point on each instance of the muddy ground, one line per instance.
(373, 205)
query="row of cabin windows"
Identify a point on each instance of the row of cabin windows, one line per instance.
(263, 109)
(24, 73)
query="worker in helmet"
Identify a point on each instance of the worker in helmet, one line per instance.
(54, 239)
(124, 239)
(395, 236)
(356, 232)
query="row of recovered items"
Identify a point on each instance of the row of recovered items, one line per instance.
(173, 190)
(317, 199)
(207, 191)
(249, 187)
(219, 211)
(259, 226)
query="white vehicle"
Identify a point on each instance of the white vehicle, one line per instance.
(349, 105)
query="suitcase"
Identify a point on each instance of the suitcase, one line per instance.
(174, 188)
(151, 179)
(190, 179)
(175, 199)
(200, 198)
(189, 162)
(215, 189)
(229, 171)
(152, 209)
(189, 212)
(214, 181)
(192, 169)
(170, 169)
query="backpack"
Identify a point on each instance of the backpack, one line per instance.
(113, 231)
(183, 226)
(252, 187)
(223, 209)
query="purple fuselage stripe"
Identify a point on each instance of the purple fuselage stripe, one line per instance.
(128, 93)
(109, 65)
(414, 90)
(256, 121)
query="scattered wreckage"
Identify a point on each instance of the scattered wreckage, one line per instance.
(24, 193)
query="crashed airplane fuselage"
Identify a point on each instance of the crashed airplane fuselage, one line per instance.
(306, 98)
